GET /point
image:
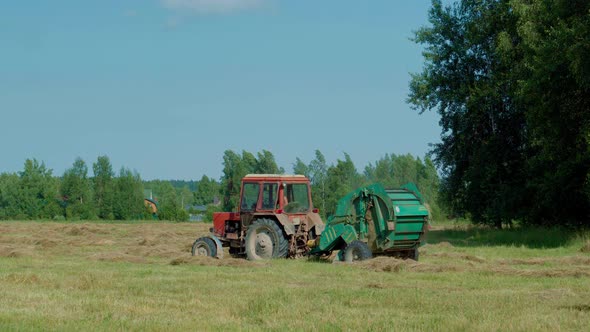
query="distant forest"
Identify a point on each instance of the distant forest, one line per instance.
(36, 193)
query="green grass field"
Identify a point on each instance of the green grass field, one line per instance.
(140, 276)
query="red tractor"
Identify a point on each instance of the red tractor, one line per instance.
(275, 219)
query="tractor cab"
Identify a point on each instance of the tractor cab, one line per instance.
(279, 194)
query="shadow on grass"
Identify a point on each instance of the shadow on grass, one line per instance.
(480, 236)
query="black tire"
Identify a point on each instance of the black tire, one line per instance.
(356, 251)
(414, 254)
(265, 240)
(204, 246)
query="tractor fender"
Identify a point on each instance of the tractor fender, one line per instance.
(218, 245)
(286, 223)
(314, 220)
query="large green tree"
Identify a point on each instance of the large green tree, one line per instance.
(207, 191)
(468, 80)
(129, 200)
(554, 87)
(37, 192)
(104, 190)
(509, 79)
(9, 193)
(76, 191)
(341, 179)
(317, 173)
(170, 204)
(266, 164)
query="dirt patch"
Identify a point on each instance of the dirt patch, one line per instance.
(210, 261)
(443, 244)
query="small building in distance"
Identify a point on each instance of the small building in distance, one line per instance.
(196, 212)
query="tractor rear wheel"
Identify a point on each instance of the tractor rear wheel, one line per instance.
(204, 246)
(265, 240)
(414, 254)
(356, 251)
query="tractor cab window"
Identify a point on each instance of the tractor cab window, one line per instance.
(269, 196)
(296, 198)
(249, 196)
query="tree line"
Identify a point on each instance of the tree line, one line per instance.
(35, 193)
(511, 82)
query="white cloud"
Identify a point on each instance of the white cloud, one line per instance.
(210, 6)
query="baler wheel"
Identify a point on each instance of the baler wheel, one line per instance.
(204, 246)
(265, 240)
(357, 251)
(414, 254)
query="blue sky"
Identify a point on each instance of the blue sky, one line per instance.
(166, 86)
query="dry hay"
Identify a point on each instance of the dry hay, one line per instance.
(466, 257)
(386, 264)
(117, 257)
(545, 273)
(121, 242)
(45, 243)
(578, 307)
(22, 278)
(165, 251)
(210, 261)
(392, 264)
(15, 252)
(575, 266)
(586, 247)
(84, 229)
(148, 242)
(563, 261)
(443, 244)
(104, 242)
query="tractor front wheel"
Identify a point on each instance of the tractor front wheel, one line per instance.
(265, 240)
(204, 246)
(357, 251)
